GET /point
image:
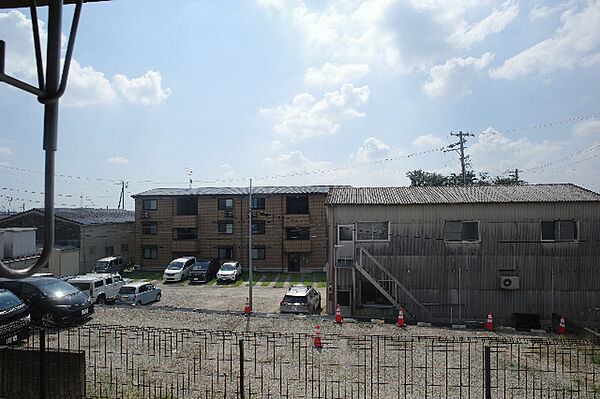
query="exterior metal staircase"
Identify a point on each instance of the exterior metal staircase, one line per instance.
(386, 283)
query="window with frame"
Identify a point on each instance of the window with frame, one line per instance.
(185, 233)
(560, 230)
(226, 227)
(150, 252)
(150, 204)
(149, 228)
(258, 227)
(297, 233)
(296, 205)
(372, 231)
(109, 251)
(461, 231)
(258, 203)
(225, 252)
(225, 203)
(258, 252)
(187, 206)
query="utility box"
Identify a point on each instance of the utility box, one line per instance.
(18, 241)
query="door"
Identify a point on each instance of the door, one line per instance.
(293, 262)
(345, 245)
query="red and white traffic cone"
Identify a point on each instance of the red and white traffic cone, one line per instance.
(318, 343)
(247, 308)
(338, 315)
(489, 325)
(562, 328)
(401, 318)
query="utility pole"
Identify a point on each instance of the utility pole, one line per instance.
(250, 247)
(124, 185)
(461, 151)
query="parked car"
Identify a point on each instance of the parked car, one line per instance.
(229, 271)
(101, 287)
(14, 318)
(110, 264)
(138, 293)
(203, 271)
(301, 299)
(51, 301)
(178, 269)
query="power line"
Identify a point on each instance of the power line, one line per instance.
(542, 125)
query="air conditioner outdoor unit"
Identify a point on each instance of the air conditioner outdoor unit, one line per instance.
(228, 214)
(510, 282)
(144, 215)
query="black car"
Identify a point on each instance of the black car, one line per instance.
(14, 318)
(203, 271)
(51, 301)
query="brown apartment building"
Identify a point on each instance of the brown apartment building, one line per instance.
(288, 226)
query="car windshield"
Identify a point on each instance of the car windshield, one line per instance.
(8, 300)
(102, 265)
(81, 286)
(200, 266)
(127, 290)
(175, 266)
(227, 268)
(294, 299)
(56, 288)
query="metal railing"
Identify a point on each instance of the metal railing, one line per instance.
(130, 362)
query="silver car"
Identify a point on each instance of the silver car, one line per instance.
(138, 293)
(301, 299)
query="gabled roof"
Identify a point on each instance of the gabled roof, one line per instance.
(259, 190)
(460, 195)
(87, 216)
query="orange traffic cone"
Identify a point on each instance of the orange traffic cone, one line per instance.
(338, 315)
(318, 343)
(489, 325)
(247, 308)
(401, 318)
(561, 326)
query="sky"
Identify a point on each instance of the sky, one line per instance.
(302, 92)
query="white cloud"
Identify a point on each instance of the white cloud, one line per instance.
(278, 4)
(120, 160)
(466, 36)
(543, 12)
(372, 149)
(306, 117)
(428, 141)
(5, 151)
(276, 145)
(589, 128)
(455, 76)
(86, 85)
(296, 161)
(330, 74)
(575, 41)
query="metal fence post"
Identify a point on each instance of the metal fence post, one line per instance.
(241, 368)
(487, 373)
(42, 363)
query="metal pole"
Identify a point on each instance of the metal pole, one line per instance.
(42, 360)
(250, 248)
(488, 373)
(462, 157)
(241, 368)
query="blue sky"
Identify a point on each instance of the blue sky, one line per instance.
(305, 92)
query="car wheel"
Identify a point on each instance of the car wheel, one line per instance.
(157, 297)
(47, 319)
(138, 303)
(101, 300)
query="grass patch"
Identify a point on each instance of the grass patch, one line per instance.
(321, 280)
(308, 279)
(280, 281)
(141, 275)
(295, 279)
(268, 279)
(238, 282)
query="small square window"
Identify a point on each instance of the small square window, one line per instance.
(225, 203)
(258, 227)
(560, 230)
(150, 204)
(225, 253)
(150, 252)
(124, 248)
(461, 231)
(258, 203)
(149, 228)
(258, 253)
(226, 227)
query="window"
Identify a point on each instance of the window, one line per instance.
(149, 227)
(296, 205)
(225, 203)
(225, 253)
(560, 230)
(185, 234)
(187, 206)
(124, 248)
(226, 227)
(297, 233)
(258, 227)
(109, 251)
(258, 252)
(372, 231)
(150, 204)
(150, 252)
(258, 203)
(461, 231)
(98, 284)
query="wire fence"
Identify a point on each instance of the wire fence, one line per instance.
(122, 362)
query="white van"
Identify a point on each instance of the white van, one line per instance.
(101, 287)
(110, 264)
(179, 268)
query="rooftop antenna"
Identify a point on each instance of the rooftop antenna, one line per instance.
(48, 93)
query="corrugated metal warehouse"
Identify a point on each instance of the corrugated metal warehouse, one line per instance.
(451, 254)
